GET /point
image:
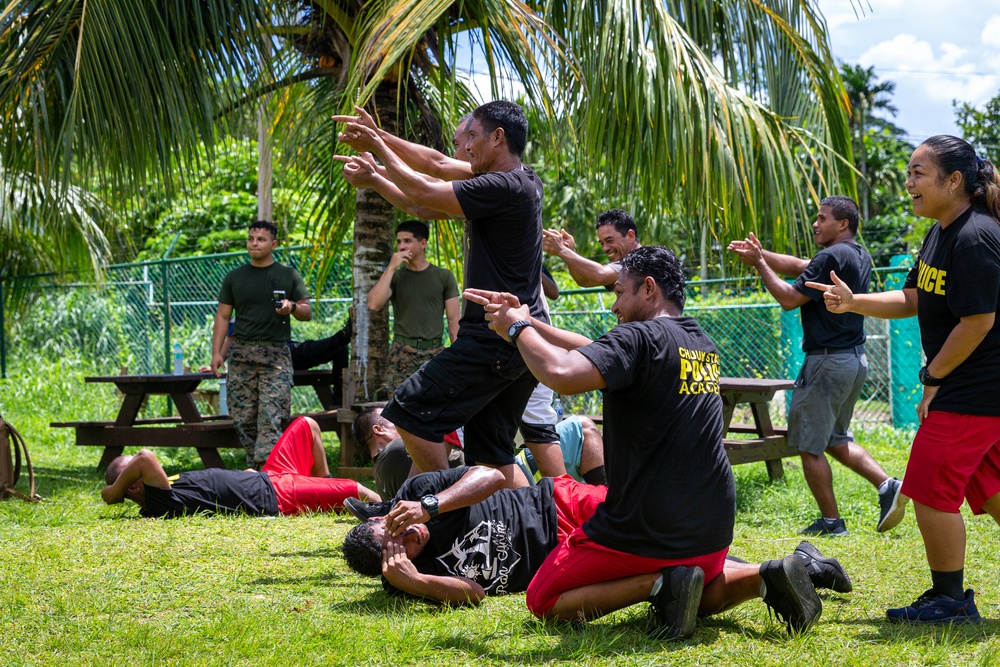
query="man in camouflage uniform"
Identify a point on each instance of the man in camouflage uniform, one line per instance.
(264, 293)
(419, 292)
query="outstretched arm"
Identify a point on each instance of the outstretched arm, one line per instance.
(585, 272)
(420, 158)
(890, 305)
(752, 254)
(400, 571)
(559, 367)
(362, 172)
(422, 190)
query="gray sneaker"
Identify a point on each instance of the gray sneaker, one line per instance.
(891, 506)
(835, 528)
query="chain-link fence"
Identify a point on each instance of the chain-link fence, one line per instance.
(134, 318)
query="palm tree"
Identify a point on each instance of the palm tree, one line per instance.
(730, 109)
(866, 94)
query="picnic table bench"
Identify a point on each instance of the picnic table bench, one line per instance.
(771, 443)
(189, 428)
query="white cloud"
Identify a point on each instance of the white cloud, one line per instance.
(991, 31)
(942, 76)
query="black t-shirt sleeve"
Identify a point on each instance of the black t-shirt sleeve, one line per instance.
(818, 270)
(484, 195)
(614, 354)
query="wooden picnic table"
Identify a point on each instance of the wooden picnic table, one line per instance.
(770, 443)
(206, 433)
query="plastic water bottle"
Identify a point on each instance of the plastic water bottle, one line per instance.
(223, 404)
(178, 360)
(558, 407)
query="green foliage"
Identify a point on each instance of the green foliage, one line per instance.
(981, 127)
(75, 324)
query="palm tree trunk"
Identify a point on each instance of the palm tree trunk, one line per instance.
(373, 244)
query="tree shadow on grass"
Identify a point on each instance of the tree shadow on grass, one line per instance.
(53, 481)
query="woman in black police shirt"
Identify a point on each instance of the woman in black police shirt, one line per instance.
(954, 290)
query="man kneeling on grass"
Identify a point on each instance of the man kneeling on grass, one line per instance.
(294, 479)
(456, 536)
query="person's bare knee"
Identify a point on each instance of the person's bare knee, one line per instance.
(592, 451)
(427, 456)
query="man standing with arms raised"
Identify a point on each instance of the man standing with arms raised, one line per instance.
(835, 367)
(480, 381)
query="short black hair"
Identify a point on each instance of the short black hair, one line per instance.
(619, 219)
(843, 208)
(363, 423)
(362, 551)
(510, 117)
(115, 468)
(419, 229)
(265, 225)
(662, 266)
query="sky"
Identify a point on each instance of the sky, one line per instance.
(935, 50)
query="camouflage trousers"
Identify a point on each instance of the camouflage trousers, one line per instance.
(404, 360)
(259, 396)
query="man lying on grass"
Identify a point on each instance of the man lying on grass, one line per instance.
(294, 479)
(456, 536)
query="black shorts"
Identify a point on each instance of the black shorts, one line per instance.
(481, 384)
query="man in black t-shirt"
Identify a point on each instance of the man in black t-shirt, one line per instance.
(295, 478)
(835, 367)
(485, 540)
(667, 522)
(478, 382)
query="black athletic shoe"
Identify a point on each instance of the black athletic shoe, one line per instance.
(675, 605)
(835, 528)
(363, 511)
(790, 594)
(823, 572)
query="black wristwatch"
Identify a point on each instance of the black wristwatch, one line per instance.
(430, 503)
(515, 329)
(294, 306)
(929, 380)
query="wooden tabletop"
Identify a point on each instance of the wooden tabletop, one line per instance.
(754, 384)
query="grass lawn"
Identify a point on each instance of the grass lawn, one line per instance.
(86, 584)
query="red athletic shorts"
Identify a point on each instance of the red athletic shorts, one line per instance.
(289, 468)
(578, 561)
(575, 503)
(954, 457)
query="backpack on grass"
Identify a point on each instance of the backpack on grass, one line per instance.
(10, 465)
